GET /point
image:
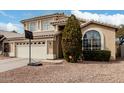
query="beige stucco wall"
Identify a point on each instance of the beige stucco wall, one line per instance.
(108, 37)
(12, 49)
(52, 49)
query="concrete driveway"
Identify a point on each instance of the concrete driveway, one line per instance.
(12, 63)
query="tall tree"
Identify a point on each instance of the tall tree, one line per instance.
(120, 35)
(72, 39)
(120, 31)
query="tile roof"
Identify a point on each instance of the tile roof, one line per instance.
(99, 23)
(46, 33)
(10, 34)
(63, 22)
(43, 16)
(60, 22)
(39, 35)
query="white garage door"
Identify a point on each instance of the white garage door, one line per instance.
(38, 50)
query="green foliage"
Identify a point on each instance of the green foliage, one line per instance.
(120, 36)
(72, 39)
(96, 55)
(120, 31)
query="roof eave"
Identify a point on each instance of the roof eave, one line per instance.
(44, 16)
(107, 25)
(35, 37)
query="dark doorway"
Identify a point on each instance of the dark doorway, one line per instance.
(61, 28)
(6, 49)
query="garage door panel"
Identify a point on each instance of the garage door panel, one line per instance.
(22, 51)
(37, 51)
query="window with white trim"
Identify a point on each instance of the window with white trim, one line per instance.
(92, 40)
(38, 24)
(45, 25)
(32, 26)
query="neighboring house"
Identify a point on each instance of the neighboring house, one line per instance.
(4, 44)
(47, 32)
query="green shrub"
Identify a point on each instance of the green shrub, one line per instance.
(96, 55)
(72, 40)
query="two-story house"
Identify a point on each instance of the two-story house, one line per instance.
(46, 43)
(47, 31)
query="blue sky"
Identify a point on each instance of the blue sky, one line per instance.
(13, 17)
(23, 14)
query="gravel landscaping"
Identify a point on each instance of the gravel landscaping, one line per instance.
(67, 72)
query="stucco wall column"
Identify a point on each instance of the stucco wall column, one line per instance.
(12, 49)
(56, 27)
(51, 49)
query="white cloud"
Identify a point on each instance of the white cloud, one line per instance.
(115, 19)
(10, 27)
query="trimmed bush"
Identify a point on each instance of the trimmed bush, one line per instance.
(96, 55)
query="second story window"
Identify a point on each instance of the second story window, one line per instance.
(46, 25)
(32, 26)
(38, 24)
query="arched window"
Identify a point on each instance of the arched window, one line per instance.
(92, 40)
